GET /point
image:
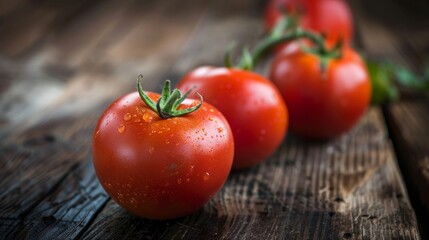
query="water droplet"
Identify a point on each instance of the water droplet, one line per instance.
(219, 130)
(109, 185)
(211, 110)
(167, 141)
(206, 176)
(146, 117)
(263, 131)
(127, 116)
(120, 197)
(211, 118)
(133, 202)
(96, 133)
(151, 149)
(179, 181)
(187, 180)
(121, 129)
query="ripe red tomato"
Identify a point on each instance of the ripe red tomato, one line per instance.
(161, 168)
(252, 105)
(321, 105)
(330, 17)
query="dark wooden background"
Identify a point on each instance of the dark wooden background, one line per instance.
(62, 62)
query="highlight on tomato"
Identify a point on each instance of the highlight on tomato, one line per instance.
(332, 18)
(162, 156)
(251, 103)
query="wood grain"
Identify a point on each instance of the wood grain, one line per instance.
(409, 121)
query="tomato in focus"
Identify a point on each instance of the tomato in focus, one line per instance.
(321, 105)
(252, 105)
(330, 17)
(161, 168)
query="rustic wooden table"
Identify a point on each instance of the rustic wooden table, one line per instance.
(62, 62)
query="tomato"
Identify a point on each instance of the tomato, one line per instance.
(161, 168)
(321, 104)
(330, 17)
(252, 105)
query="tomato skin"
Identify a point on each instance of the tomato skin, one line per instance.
(321, 106)
(252, 105)
(330, 17)
(161, 168)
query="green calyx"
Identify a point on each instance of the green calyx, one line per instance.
(167, 105)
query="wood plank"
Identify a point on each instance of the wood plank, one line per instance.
(409, 128)
(404, 42)
(65, 212)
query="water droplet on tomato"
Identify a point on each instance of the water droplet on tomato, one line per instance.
(127, 116)
(133, 202)
(146, 117)
(211, 110)
(121, 129)
(211, 118)
(179, 181)
(96, 133)
(120, 197)
(167, 141)
(219, 130)
(187, 180)
(151, 149)
(263, 131)
(206, 176)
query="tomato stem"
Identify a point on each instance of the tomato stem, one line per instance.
(169, 102)
(286, 30)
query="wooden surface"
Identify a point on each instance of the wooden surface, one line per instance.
(63, 62)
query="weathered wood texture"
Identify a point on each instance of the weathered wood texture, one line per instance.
(402, 35)
(79, 56)
(410, 128)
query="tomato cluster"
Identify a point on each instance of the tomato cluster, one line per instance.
(164, 156)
